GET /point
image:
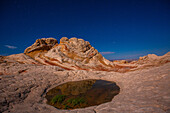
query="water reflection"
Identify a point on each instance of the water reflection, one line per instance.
(80, 94)
(72, 88)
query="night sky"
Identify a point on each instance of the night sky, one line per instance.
(119, 29)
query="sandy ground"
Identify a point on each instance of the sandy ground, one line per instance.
(141, 91)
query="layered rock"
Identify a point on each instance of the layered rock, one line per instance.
(152, 60)
(75, 54)
(40, 46)
(120, 61)
(17, 58)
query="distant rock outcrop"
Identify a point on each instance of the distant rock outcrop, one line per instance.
(153, 60)
(120, 61)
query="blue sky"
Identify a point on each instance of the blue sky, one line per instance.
(119, 29)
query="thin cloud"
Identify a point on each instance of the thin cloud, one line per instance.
(107, 53)
(10, 47)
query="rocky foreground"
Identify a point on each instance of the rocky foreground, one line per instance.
(25, 79)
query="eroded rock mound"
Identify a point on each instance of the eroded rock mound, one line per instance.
(40, 46)
(17, 58)
(154, 59)
(76, 53)
(149, 60)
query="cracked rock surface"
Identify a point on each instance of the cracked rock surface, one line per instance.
(23, 88)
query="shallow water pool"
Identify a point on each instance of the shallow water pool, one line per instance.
(80, 94)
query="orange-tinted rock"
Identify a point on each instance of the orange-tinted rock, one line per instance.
(77, 53)
(40, 46)
(63, 39)
(120, 61)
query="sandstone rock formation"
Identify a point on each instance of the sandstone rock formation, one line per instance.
(120, 61)
(40, 46)
(153, 59)
(21, 58)
(71, 54)
(144, 62)
(17, 59)
(19, 63)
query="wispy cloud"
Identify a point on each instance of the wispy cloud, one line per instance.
(10, 47)
(107, 53)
